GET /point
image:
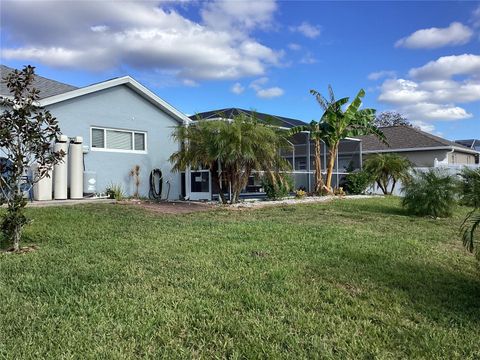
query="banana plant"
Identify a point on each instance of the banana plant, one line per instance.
(339, 124)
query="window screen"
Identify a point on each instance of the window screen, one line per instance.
(98, 140)
(139, 141)
(120, 140)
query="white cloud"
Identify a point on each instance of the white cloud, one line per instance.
(308, 59)
(99, 36)
(258, 83)
(381, 74)
(475, 20)
(244, 14)
(432, 93)
(258, 86)
(294, 46)
(448, 66)
(237, 88)
(308, 30)
(270, 92)
(455, 34)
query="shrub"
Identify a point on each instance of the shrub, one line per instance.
(115, 191)
(300, 193)
(431, 193)
(278, 188)
(470, 187)
(357, 182)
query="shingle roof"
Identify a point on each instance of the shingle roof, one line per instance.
(47, 87)
(229, 113)
(471, 143)
(405, 137)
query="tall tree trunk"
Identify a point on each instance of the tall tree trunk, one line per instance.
(318, 168)
(332, 154)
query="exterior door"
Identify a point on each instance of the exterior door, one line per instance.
(200, 185)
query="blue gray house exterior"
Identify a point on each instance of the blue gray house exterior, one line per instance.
(119, 106)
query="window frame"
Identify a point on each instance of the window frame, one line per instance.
(105, 143)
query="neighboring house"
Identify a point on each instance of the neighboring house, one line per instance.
(421, 148)
(122, 123)
(302, 150)
(473, 144)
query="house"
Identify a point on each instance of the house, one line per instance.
(473, 144)
(122, 123)
(421, 148)
(300, 155)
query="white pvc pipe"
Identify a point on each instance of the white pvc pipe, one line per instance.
(60, 170)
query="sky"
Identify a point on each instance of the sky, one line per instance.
(421, 59)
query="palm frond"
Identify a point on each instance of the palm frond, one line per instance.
(468, 229)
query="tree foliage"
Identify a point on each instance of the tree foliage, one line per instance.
(339, 123)
(391, 118)
(26, 135)
(386, 169)
(430, 193)
(231, 150)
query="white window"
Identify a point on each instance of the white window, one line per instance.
(106, 139)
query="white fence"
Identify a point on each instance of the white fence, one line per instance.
(452, 169)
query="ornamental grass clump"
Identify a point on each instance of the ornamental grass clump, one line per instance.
(431, 193)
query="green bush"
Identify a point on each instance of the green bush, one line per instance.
(470, 187)
(279, 188)
(357, 182)
(115, 191)
(431, 193)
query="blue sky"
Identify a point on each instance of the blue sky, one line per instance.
(419, 58)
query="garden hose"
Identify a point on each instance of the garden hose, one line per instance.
(156, 184)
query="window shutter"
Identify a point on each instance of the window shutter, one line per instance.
(119, 140)
(139, 141)
(98, 140)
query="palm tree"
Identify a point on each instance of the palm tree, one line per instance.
(340, 124)
(316, 131)
(231, 150)
(388, 169)
(470, 225)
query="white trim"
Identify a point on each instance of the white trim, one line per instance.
(422, 149)
(126, 80)
(106, 149)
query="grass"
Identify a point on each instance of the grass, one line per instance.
(348, 279)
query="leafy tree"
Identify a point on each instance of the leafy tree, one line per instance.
(430, 193)
(231, 150)
(26, 135)
(339, 124)
(388, 169)
(391, 118)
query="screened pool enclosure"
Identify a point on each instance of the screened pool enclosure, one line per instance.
(198, 185)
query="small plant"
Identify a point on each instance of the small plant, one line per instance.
(300, 193)
(357, 182)
(470, 187)
(115, 191)
(277, 188)
(469, 228)
(135, 174)
(339, 191)
(431, 193)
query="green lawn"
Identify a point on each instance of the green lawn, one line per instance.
(348, 279)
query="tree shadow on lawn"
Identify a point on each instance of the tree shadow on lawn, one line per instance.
(386, 208)
(440, 294)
